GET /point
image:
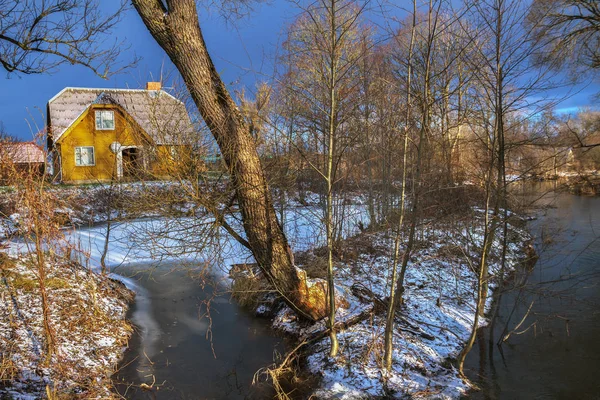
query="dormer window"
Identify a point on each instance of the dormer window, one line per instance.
(105, 120)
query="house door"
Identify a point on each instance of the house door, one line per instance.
(132, 162)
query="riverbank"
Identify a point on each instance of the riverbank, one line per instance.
(431, 328)
(86, 205)
(87, 318)
(584, 185)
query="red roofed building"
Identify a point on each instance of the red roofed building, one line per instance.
(21, 156)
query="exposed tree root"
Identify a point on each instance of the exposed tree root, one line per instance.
(276, 372)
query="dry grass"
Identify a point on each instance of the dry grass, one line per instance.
(7, 205)
(285, 376)
(249, 286)
(19, 281)
(314, 261)
(8, 367)
(314, 265)
(88, 316)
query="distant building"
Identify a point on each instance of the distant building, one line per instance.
(21, 156)
(103, 134)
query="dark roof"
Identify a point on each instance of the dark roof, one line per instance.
(160, 115)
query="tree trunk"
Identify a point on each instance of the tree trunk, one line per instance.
(178, 32)
(393, 302)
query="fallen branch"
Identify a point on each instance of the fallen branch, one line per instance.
(507, 336)
(339, 325)
(277, 370)
(380, 305)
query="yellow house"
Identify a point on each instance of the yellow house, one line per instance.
(102, 134)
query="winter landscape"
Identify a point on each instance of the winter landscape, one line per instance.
(400, 202)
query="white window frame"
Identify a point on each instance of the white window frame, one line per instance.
(93, 156)
(101, 128)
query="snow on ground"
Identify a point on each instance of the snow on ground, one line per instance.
(87, 314)
(437, 317)
(9, 226)
(191, 239)
(438, 311)
(84, 205)
(152, 240)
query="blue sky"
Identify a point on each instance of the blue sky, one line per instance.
(242, 54)
(236, 50)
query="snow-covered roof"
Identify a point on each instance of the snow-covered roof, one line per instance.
(160, 115)
(22, 153)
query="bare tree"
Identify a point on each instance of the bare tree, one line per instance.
(571, 29)
(324, 49)
(38, 36)
(428, 31)
(393, 300)
(510, 84)
(174, 25)
(584, 130)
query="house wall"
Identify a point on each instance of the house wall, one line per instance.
(171, 161)
(84, 133)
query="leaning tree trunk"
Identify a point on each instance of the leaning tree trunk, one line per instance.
(178, 32)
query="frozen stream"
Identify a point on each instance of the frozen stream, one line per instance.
(174, 348)
(177, 350)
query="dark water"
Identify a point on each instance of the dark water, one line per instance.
(176, 353)
(555, 351)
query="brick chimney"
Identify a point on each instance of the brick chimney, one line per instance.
(153, 86)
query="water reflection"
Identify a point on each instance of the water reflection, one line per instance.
(549, 316)
(192, 355)
(178, 352)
